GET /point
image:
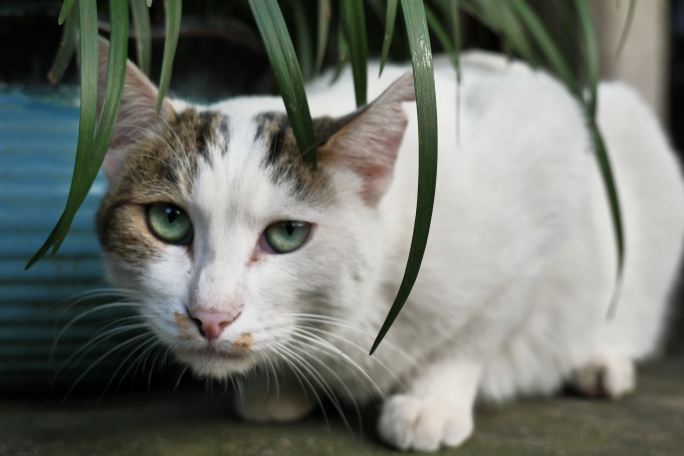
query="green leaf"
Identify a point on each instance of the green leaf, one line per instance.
(547, 45)
(143, 39)
(354, 23)
(67, 48)
(65, 11)
(592, 62)
(324, 17)
(86, 128)
(421, 59)
(390, 20)
(149, 3)
(303, 40)
(172, 19)
(626, 28)
(271, 25)
(440, 32)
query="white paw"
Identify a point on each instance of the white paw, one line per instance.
(611, 377)
(424, 424)
(263, 405)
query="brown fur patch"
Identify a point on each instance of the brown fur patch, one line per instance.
(244, 341)
(286, 161)
(160, 166)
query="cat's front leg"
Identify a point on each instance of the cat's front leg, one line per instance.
(436, 410)
(263, 400)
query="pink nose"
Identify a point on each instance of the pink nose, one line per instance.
(211, 323)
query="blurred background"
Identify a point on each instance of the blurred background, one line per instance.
(219, 55)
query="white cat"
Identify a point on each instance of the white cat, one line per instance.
(246, 259)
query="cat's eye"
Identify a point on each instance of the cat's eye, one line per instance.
(169, 223)
(287, 236)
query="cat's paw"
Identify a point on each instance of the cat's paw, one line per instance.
(611, 377)
(424, 423)
(263, 405)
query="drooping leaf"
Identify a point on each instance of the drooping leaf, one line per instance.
(143, 39)
(354, 23)
(86, 128)
(67, 48)
(172, 20)
(271, 25)
(324, 17)
(626, 28)
(304, 40)
(421, 59)
(390, 20)
(65, 11)
(592, 63)
(547, 45)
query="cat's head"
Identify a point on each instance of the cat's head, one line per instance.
(235, 244)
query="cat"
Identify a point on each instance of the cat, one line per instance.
(248, 260)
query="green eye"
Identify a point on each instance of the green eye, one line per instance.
(287, 236)
(169, 223)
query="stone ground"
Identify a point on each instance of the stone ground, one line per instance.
(190, 423)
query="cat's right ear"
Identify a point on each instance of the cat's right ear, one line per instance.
(137, 116)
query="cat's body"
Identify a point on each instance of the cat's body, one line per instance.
(513, 295)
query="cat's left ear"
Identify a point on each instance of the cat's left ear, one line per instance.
(368, 140)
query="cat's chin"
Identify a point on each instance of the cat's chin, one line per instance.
(216, 366)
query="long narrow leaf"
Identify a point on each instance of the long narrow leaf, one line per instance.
(546, 43)
(324, 17)
(65, 11)
(592, 62)
(303, 40)
(421, 59)
(390, 20)
(143, 39)
(172, 20)
(440, 32)
(626, 28)
(271, 25)
(86, 128)
(455, 18)
(354, 22)
(67, 48)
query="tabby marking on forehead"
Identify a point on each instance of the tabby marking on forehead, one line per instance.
(285, 161)
(159, 167)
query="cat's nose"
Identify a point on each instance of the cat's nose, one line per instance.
(211, 323)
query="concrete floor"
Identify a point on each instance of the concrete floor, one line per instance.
(192, 423)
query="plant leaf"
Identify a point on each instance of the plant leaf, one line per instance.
(421, 59)
(303, 40)
(626, 28)
(143, 39)
(324, 17)
(67, 48)
(390, 20)
(172, 19)
(546, 44)
(86, 127)
(283, 60)
(65, 11)
(592, 62)
(354, 23)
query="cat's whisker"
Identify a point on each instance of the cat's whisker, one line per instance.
(100, 338)
(100, 359)
(301, 378)
(320, 381)
(312, 338)
(122, 363)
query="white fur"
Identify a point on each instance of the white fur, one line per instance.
(518, 274)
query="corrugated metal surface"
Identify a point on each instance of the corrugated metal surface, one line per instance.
(37, 144)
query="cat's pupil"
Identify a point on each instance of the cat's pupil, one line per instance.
(171, 214)
(290, 228)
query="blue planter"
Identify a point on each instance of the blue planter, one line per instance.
(37, 145)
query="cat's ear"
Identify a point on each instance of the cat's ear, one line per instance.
(137, 116)
(368, 140)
